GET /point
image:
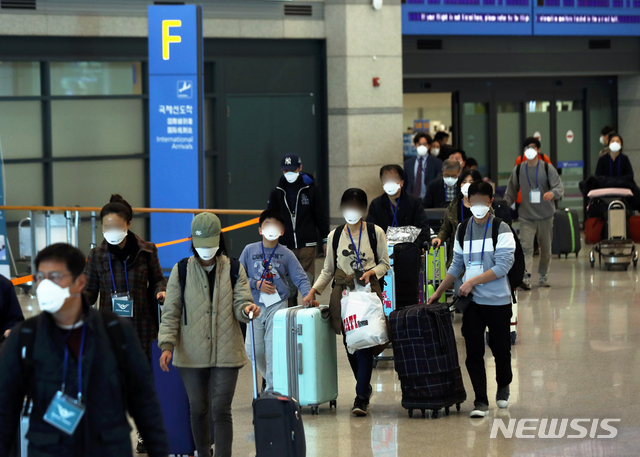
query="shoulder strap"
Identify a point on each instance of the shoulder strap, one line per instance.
(518, 173)
(336, 241)
(373, 240)
(546, 172)
(495, 231)
(27, 341)
(235, 272)
(182, 277)
(113, 328)
(462, 230)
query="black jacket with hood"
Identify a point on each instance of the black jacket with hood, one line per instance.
(305, 216)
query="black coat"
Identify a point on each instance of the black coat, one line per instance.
(433, 169)
(308, 212)
(10, 311)
(436, 196)
(104, 430)
(410, 212)
(619, 168)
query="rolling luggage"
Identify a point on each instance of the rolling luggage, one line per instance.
(426, 359)
(566, 233)
(174, 404)
(406, 266)
(435, 217)
(389, 292)
(305, 361)
(435, 271)
(277, 420)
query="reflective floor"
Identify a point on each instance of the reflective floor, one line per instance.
(577, 357)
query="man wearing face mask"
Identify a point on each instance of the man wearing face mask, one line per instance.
(485, 267)
(299, 200)
(604, 139)
(83, 369)
(396, 207)
(423, 168)
(540, 185)
(443, 190)
(268, 264)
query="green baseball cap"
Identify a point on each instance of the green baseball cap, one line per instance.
(205, 230)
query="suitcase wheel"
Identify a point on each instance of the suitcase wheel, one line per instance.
(424, 413)
(410, 412)
(375, 362)
(333, 404)
(315, 410)
(435, 413)
(446, 411)
(458, 407)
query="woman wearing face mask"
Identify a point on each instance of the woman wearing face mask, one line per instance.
(457, 211)
(615, 164)
(361, 255)
(202, 332)
(126, 272)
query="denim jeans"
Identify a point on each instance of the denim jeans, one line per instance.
(210, 392)
(362, 366)
(263, 334)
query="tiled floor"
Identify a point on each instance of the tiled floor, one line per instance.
(577, 356)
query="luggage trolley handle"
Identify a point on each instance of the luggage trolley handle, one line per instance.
(253, 357)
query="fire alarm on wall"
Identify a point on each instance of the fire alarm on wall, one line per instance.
(376, 82)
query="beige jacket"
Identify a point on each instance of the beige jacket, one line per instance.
(212, 336)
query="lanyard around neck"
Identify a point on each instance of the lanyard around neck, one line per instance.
(267, 265)
(527, 171)
(483, 240)
(354, 245)
(66, 361)
(394, 211)
(126, 276)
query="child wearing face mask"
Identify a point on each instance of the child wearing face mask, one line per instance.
(615, 164)
(200, 330)
(268, 264)
(361, 256)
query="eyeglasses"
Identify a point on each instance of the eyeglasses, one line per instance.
(55, 276)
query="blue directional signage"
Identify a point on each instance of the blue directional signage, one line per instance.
(175, 122)
(571, 164)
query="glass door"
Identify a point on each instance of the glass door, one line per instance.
(570, 152)
(509, 143)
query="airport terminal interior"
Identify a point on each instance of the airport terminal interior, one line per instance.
(326, 114)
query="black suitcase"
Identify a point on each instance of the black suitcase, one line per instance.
(426, 359)
(566, 233)
(502, 210)
(435, 217)
(406, 266)
(277, 419)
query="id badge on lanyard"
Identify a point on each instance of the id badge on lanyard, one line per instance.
(121, 302)
(535, 196)
(65, 412)
(475, 268)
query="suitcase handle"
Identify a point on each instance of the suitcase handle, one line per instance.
(253, 357)
(300, 367)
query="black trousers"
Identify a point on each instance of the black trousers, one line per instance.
(475, 320)
(362, 366)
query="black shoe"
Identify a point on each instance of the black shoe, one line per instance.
(480, 409)
(502, 397)
(141, 448)
(360, 407)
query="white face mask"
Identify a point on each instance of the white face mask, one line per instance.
(601, 140)
(391, 188)
(114, 237)
(271, 232)
(450, 181)
(207, 253)
(51, 296)
(614, 147)
(352, 216)
(479, 211)
(435, 152)
(422, 150)
(530, 153)
(465, 189)
(291, 176)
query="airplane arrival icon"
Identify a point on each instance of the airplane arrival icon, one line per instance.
(185, 89)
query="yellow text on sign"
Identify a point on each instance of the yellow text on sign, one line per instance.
(168, 39)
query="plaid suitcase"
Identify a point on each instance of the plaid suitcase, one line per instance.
(426, 359)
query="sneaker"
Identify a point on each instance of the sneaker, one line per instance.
(479, 409)
(544, 281)
(359, 407)
(526, 283)
(502, 397)
(141, 448)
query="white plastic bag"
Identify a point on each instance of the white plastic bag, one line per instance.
(363, 319)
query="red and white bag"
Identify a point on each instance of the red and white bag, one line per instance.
(363, 319)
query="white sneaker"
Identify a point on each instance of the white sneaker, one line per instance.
(544, 281)
(479, 409)
(502, 397)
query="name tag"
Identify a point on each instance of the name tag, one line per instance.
(122, 305)
(474, 269)
(64, 413)
(535, 196)
(270, 299)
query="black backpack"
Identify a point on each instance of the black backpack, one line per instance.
(373, 242)
(517, 272)
(116, 336)
(182, 277)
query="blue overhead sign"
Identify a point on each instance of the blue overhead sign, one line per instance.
(175, 122)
